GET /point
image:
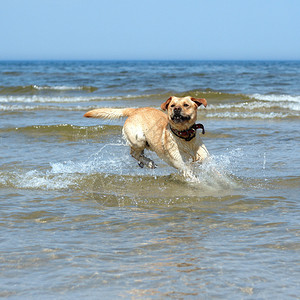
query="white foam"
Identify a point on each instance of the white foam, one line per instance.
(276, 98)
(71, 167)
(48, 99)
(20, 107)
(68, 174)
(16, 107)
(64, 99)
(110, 157)
(35, 179)
(216, 172)
(248, 115)
(256, 105)
(59, 88)
(254, 109)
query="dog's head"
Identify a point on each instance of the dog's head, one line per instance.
(182, 112)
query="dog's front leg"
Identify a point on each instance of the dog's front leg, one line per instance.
(201, 154)
(176, 160)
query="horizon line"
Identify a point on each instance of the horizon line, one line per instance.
(142, 60)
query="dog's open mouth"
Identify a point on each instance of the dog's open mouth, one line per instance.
(178, 118)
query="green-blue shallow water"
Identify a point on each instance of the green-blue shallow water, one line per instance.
(80, 219)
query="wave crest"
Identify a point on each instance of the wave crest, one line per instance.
(31, 89)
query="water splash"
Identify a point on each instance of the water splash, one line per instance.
(112, 171)
(217, 172)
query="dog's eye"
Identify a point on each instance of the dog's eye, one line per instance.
(185, 105)
(172, 105)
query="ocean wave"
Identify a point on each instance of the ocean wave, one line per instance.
(220, 104)
(276, 98)
(51, 99)
(12, 108)
(70, 99)
(253, 110)
(247, 115)
(214, 96)
(12, 73)
(68, 131)
(66, 88)
(29, 89)
(239, 111)
(256, 105)
(209, 94)
(21, 108)
(26, 94)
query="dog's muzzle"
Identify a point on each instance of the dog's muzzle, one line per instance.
(177, 117)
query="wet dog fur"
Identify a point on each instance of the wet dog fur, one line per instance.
(150, 128)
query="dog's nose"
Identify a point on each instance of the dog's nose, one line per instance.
(177, 110)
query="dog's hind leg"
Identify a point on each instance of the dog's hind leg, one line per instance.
(137, 142)
(138, 154)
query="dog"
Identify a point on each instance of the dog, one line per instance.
(173, 136)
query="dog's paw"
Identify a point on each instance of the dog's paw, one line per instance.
(151, 165)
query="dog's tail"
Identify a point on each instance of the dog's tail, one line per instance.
(110, 113)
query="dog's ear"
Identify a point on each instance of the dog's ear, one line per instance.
(199, 101)
(165, 105)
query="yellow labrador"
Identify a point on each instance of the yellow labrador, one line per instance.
(172, 136)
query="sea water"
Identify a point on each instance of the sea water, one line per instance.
(79, 218)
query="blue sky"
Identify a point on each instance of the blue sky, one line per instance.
(149, 29)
